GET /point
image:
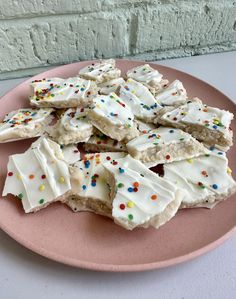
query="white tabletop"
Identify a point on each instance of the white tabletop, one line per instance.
(24, 274)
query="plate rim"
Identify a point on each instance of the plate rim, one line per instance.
(115, 267)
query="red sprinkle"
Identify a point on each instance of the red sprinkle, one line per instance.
(122, 206)
(135, 189)
(108, 158)
(43, 176)
(10, 173)
(167, 157)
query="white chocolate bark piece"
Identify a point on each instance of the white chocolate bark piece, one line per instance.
(101, 71)
(110, 86)
(39, 176)
(205, 180)
(165, 145)
(144, 127)
(72, 127)
(140, 100)
(24, 123)
(139, 196)
(93, 193)
(99, 142)
(110, 115)
(145, 74)
(205, 123)
(173, 94)
(62, 93)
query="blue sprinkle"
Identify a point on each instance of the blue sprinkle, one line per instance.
(214, 127)
(171, 131)
(83, 187)
(130, 189)
(211, 148)
(87, 164)
(220, 153)
(121, 170)
(214, 186)
(102, 100)
(82, 89)
(93, 184)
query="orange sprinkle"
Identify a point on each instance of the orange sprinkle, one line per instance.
(31, 176)
(205, 110)
(136, 184)
(154, 197)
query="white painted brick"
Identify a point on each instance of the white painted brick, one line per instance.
(38, 42)
(50, 32)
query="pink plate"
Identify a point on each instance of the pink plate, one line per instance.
(94, 242)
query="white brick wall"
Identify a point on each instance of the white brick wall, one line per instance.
(49, 32)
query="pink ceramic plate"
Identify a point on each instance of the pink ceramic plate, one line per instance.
(90, 241)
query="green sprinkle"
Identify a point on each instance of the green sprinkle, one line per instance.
(131, 217)
(120, 185)
(41, 201)
(52, 95)
(181, 139)
(20, 196)
(207, 155)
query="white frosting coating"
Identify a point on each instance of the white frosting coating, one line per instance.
(114, 110)
(144, 127)
(173, 94)
(71, 153)
(140, 100)
(110, 86)
(61, 92)
(42, 180)
(75, 119)
(201, 177)
(100, 71)
(139, 194)
(101, 140)
(197, 113)
(24, 119)
(145, 73)
(157, 138)
(93, 183)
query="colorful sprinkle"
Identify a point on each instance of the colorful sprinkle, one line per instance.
(214, 186)
(84, 187)
(136, 184)
(61, 179)
(130, 189)
(43, 176)
(41, 187)
(120, 185)
(10, 173)
(167, 157)
(20, 195)
(41, 201)
(31, 176)
(121, 170)
(130, 217)
(122, 206)
(154, 197)
(130, 204)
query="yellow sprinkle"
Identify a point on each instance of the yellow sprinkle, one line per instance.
(133, 92)
(216, 122)
(190, 160)
(130, 204)
(98, 106)
(19, 176)
(184, 113)
(41, 187)
(229, 170)
(61, 179)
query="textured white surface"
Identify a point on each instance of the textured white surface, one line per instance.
(25, 275)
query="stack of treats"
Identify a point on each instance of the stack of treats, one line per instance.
(110, 131)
